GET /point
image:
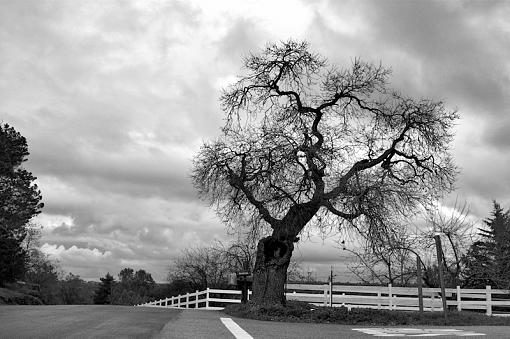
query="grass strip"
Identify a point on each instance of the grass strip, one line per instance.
(297, 311)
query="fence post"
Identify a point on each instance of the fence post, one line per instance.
(439, 251)
(187, 300)
(488, 299)
(420, 285)
(325, 295)
(378, 300)
(249, 293)
(179, 301)
(432, 299)
(331, 289)
(390, 304)
(207, 298)
(459, 299)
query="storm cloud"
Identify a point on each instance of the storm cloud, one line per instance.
(115, 98)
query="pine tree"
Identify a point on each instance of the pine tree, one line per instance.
(498, 224)
(488, 260)
(104, 292)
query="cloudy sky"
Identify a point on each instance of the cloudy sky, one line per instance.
(115, 98)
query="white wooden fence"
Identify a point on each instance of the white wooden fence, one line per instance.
(380, 297)
(203, 299)
(400, 298)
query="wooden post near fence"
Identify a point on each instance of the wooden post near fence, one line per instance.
(439, 251)
(420, 285)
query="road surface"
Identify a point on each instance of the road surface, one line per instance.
(144, 322)
(83, 321)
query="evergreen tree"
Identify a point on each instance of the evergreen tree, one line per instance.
(488, 260)
(20, 200)
(104, 292)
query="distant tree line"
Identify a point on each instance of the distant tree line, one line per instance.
(44, 279)
(132, 288)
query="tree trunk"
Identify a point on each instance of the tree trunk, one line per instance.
(270, 273)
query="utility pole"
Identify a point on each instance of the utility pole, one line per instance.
(439, 250)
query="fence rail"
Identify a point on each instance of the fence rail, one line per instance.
(199, 299)
(494, 302)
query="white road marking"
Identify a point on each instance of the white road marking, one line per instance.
(416, 332)
(236, 330)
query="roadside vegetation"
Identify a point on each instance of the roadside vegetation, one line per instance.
(14, 297)
(297, 311)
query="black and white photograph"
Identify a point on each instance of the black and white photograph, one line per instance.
(254, 169)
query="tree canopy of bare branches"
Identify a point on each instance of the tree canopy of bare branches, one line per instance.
(308, 144)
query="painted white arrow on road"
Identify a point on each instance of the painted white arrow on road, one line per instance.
(416, 332)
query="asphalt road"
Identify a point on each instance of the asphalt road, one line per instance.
(144, 322)
(266, 329)
(85, 321)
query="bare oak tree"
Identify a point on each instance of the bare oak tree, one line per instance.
(309, 145)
